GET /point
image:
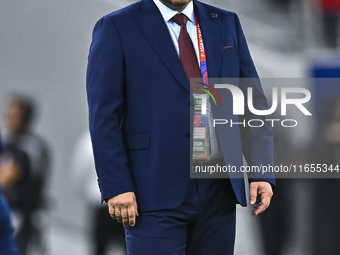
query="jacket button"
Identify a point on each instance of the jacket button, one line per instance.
(189, 134)
(190, 103)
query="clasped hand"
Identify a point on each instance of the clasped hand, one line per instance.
(123, 208)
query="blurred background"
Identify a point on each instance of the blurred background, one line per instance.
(43, 57)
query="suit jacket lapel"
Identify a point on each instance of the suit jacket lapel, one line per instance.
(212, 36)
(154, 28)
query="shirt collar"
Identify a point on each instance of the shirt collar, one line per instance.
(168, 13)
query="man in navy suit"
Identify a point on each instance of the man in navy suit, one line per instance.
(141, 108)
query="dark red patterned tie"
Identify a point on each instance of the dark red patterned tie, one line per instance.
(187, 52)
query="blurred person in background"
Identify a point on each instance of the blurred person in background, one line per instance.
(25, 160)
(105, 234)
(330, 21)
(7, 241)
(274, 241)
(325, 149)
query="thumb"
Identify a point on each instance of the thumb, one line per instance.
(253, 193)
(136, 209)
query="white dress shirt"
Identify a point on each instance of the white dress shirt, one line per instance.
(175, 29)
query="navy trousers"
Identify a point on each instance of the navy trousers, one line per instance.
(203, 224)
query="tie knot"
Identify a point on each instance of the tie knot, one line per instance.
(180, 19)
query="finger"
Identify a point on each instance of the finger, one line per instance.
(265, 199)
(257, 209)
(118, 214)
(136, 209)
(260, 208)
(253, 193)
(132, 215)
(125, 217)
(111, 211)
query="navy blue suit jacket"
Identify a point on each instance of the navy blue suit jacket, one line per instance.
(138, 96)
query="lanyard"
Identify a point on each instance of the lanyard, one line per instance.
(203, 61)
(202, 55)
